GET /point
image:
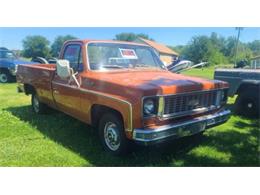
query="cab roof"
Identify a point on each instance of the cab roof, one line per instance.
(85, 41)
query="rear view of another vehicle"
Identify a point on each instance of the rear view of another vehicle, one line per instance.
(8, 65)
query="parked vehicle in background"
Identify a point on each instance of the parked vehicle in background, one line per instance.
(124, 90)
(246, 84)
(8, 65)
(184, 65)
(178, 65)
(42, 60)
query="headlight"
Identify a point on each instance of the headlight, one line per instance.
(150, 106)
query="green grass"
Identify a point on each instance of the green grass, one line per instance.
(204, 73)
(27, 139)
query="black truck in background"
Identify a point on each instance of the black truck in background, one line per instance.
(245, 83)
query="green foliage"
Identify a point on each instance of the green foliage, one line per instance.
(244, 53)
(179, 48)
(58, 42)
(36, 46)
(217, 41)
(145, 36)
(216, 57)
(255, 47)
(131, 36)
(216, 49)
(229, 47)
(202, 48)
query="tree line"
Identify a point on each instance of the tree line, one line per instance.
(39, 46)
(217, 49)
(214, 49)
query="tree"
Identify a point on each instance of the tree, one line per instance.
(131, 36)
(58, 42)
(217, 41)
(243, 50)
(145, 36)
(201, 48)
(179, 48)
(36, 46)
(216, 49)
(229, 47)
(255, 47)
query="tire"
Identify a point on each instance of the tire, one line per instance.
(247, 103)
(5, 76)
(37, 106)
(112, 135)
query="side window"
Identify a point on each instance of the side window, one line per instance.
(72, 53)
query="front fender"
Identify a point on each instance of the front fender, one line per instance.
(124, 107)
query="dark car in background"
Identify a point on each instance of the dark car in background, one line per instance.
(8, 65)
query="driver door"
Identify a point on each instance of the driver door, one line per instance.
(67, 94)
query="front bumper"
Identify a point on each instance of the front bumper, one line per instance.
(181, 129)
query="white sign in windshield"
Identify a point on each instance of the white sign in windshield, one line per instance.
(128, 53)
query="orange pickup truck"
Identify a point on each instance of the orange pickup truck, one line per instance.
(125, 91)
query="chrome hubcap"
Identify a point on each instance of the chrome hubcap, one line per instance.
(111, 135)
(3, 78)
(249, 105)
(36, 104)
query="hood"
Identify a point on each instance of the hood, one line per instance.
(19, 61)
(13, 62)
(152, 82)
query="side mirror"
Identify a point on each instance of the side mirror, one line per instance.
(63, 69)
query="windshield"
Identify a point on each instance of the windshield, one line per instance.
(7, 54)
(119, 56)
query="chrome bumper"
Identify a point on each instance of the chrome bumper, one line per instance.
(177, 130)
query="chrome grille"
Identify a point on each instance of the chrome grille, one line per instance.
(184, 104)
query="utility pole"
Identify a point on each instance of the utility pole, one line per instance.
(237, 41)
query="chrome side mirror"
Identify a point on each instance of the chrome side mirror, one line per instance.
(63, 69)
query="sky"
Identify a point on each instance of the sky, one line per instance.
(12, 37)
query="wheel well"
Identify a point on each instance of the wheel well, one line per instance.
(98, 110)
(248, 87)
(29, 89)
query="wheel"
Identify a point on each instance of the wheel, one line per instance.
(112, 135)
(247, 103)
(37, 106)
(5, 77)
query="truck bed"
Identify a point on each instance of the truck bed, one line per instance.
(39, 76)
(237, 76)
